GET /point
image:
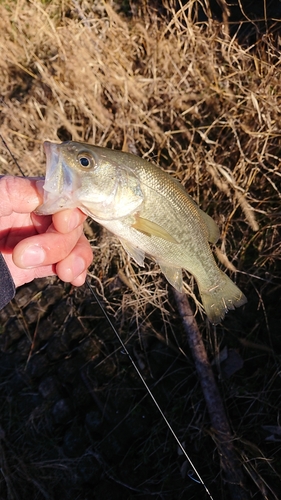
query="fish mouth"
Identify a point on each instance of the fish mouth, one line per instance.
(52, 158)
(60, 182)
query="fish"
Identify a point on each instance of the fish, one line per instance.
(147, 209)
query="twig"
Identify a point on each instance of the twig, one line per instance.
(224, 438)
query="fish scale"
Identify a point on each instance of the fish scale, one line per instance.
(147, 209)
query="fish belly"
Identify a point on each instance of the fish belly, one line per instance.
(194, 256)
(218, 292)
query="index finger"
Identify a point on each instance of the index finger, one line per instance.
(68, 219)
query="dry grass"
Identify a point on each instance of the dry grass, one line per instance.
(190, 98)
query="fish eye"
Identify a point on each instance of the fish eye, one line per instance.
(86, 161)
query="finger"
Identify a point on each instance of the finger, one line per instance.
(75, 265)
(80, 280)
(45, 249)
(67, 220)
(18, 195)
(63, 222)
(21, 276)
(41, 222)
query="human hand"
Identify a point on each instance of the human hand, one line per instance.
(36, 246)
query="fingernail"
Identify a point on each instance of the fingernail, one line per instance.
(78, 267)
(33, 256)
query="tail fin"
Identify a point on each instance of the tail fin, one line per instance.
(217, 301)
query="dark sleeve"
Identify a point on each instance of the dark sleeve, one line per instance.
(7, 286)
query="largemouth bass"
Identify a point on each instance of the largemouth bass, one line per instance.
(147, 209)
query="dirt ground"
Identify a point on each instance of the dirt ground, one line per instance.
(190, 93)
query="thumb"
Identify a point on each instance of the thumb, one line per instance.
(18, 194)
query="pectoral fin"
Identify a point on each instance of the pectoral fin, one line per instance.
(173, 275)
(136, 253)
(150, 228)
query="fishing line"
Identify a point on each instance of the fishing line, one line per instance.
(198, 479)
(12, 156)
(104, 312)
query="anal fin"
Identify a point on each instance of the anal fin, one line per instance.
(173, 275)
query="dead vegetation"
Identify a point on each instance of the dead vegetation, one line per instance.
(189, 97)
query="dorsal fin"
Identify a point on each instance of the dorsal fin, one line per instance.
(213, 229)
